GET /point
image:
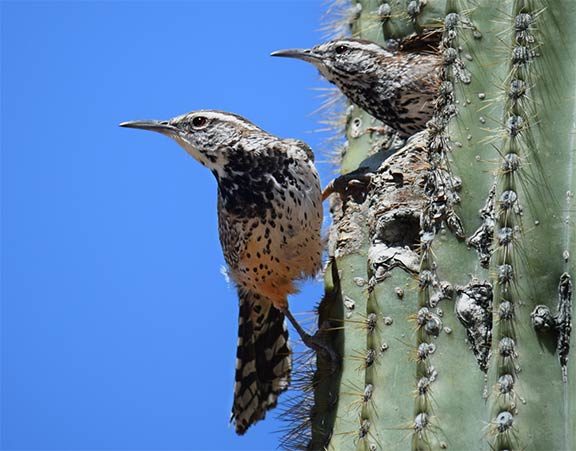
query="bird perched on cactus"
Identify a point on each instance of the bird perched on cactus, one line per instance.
(396, 87)
(269, 216)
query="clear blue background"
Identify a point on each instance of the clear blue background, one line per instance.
(118, 328)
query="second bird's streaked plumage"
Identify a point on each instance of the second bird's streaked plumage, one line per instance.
(396, 87)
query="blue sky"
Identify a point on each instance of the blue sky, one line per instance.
(118, 329)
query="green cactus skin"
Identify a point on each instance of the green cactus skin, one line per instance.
(418, 373)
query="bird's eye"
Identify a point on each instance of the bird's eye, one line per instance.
(199, 121)
(341, 49)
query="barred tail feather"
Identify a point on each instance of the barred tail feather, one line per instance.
(263, 360)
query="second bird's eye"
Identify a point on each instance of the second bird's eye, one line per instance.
(199, 121)
(341, 49)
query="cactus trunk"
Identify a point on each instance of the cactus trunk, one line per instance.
(449, 282)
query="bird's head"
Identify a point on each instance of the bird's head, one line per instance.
(207, 135)
(342, 59)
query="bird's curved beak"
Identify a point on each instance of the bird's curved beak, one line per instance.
(301, 54)
(156, 126)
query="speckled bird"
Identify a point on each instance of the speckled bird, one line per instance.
(396, 87)
(269, 220)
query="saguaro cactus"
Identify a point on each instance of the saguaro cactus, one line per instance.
(450, 280)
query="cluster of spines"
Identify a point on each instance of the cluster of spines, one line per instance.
(338, 21)
(340, 17)
(309, 408)
(376, 347)
(441, 188)
(298, 409)
(428, 325)
(516, 142)
(409, 11)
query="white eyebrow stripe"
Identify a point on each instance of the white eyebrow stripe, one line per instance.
(229, 118)
(365, 46)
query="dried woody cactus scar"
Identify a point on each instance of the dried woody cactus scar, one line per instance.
(448, 289)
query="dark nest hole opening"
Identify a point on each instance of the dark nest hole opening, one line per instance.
(400, 229)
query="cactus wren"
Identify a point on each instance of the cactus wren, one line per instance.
(269, 216)
(398, 88)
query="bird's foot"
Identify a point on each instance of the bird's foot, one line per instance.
(316, 342)
(353, 184)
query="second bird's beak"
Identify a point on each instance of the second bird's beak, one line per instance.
(156, 126)
(301, 54)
